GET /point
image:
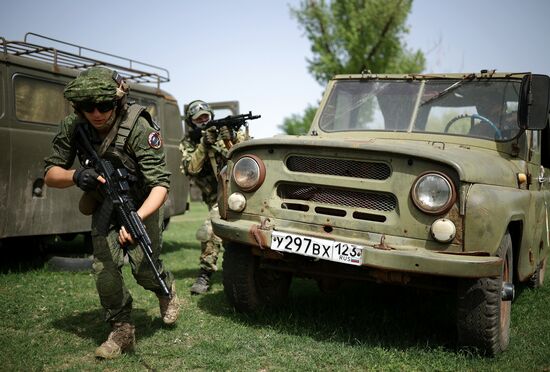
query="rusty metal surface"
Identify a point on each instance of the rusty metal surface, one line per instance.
(376, 254)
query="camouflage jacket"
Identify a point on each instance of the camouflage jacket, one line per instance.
(142, 144)
(197, 165)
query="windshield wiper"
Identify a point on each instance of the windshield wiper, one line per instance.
(449, 89)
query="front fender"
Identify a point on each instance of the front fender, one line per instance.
(489, 211)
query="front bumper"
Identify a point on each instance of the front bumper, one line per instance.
(404, 258)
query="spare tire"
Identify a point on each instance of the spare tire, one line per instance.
(73, 264)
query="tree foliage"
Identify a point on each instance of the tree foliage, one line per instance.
(352, 36)
(299, 124)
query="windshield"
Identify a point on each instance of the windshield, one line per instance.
(474, 108)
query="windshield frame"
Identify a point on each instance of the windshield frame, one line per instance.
(412, 105)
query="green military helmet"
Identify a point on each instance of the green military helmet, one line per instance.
(96, 84)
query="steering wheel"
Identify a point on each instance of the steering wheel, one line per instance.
(498, 133)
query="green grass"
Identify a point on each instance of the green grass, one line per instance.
(52, 321)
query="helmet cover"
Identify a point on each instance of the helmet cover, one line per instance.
(95, 84)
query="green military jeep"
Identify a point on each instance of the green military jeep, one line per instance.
(437, 180)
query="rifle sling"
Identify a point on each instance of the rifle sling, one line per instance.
(110, 136)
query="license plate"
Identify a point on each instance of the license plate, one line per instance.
(315, 247)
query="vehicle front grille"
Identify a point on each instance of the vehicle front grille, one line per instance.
(339, 167)
(339, 197)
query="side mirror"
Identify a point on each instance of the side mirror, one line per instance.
(534, 97)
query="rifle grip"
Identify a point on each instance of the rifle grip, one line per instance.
(228, 144)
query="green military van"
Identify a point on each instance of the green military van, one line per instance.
(437, 181)
(33, 73)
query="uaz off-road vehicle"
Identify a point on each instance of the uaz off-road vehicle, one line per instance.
(32, 79)
(422, 180)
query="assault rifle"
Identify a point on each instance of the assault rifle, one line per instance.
(116, 189)
(234, 122)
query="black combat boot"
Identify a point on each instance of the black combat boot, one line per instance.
(202, 284)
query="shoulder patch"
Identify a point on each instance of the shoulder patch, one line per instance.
(155, 140)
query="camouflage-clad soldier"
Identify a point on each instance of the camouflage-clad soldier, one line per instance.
(204, 153)
(125, 135)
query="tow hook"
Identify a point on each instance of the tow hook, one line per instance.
(508, 292)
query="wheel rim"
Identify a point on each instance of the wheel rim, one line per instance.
(505, 306)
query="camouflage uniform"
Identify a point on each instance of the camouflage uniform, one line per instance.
(108, 255)
(197, 165)
(129, 141)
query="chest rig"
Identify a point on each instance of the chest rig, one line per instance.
(114, 146)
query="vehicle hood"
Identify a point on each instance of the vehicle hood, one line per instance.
(473, 164)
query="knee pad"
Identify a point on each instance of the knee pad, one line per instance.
(205, 233)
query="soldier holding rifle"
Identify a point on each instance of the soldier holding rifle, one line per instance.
(123, 165)
(204, 151)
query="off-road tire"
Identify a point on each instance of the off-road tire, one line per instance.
(249, 287)
(483, 319)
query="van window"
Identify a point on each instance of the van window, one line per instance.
(222, 112)
(149, 104)
(172, 126)
(151, 108)
(39, 101)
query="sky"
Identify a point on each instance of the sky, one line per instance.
(254, 52)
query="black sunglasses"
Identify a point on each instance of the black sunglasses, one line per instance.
(102, 107)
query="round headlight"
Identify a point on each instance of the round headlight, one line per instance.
(249, 172)
(433, 193)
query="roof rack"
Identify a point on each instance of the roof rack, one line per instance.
(131, 70)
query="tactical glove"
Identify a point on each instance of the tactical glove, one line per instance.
(86, 179)
(226, 134)
(209, 137)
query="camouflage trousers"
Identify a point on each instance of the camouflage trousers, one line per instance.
(107, 267)
(210, 243)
